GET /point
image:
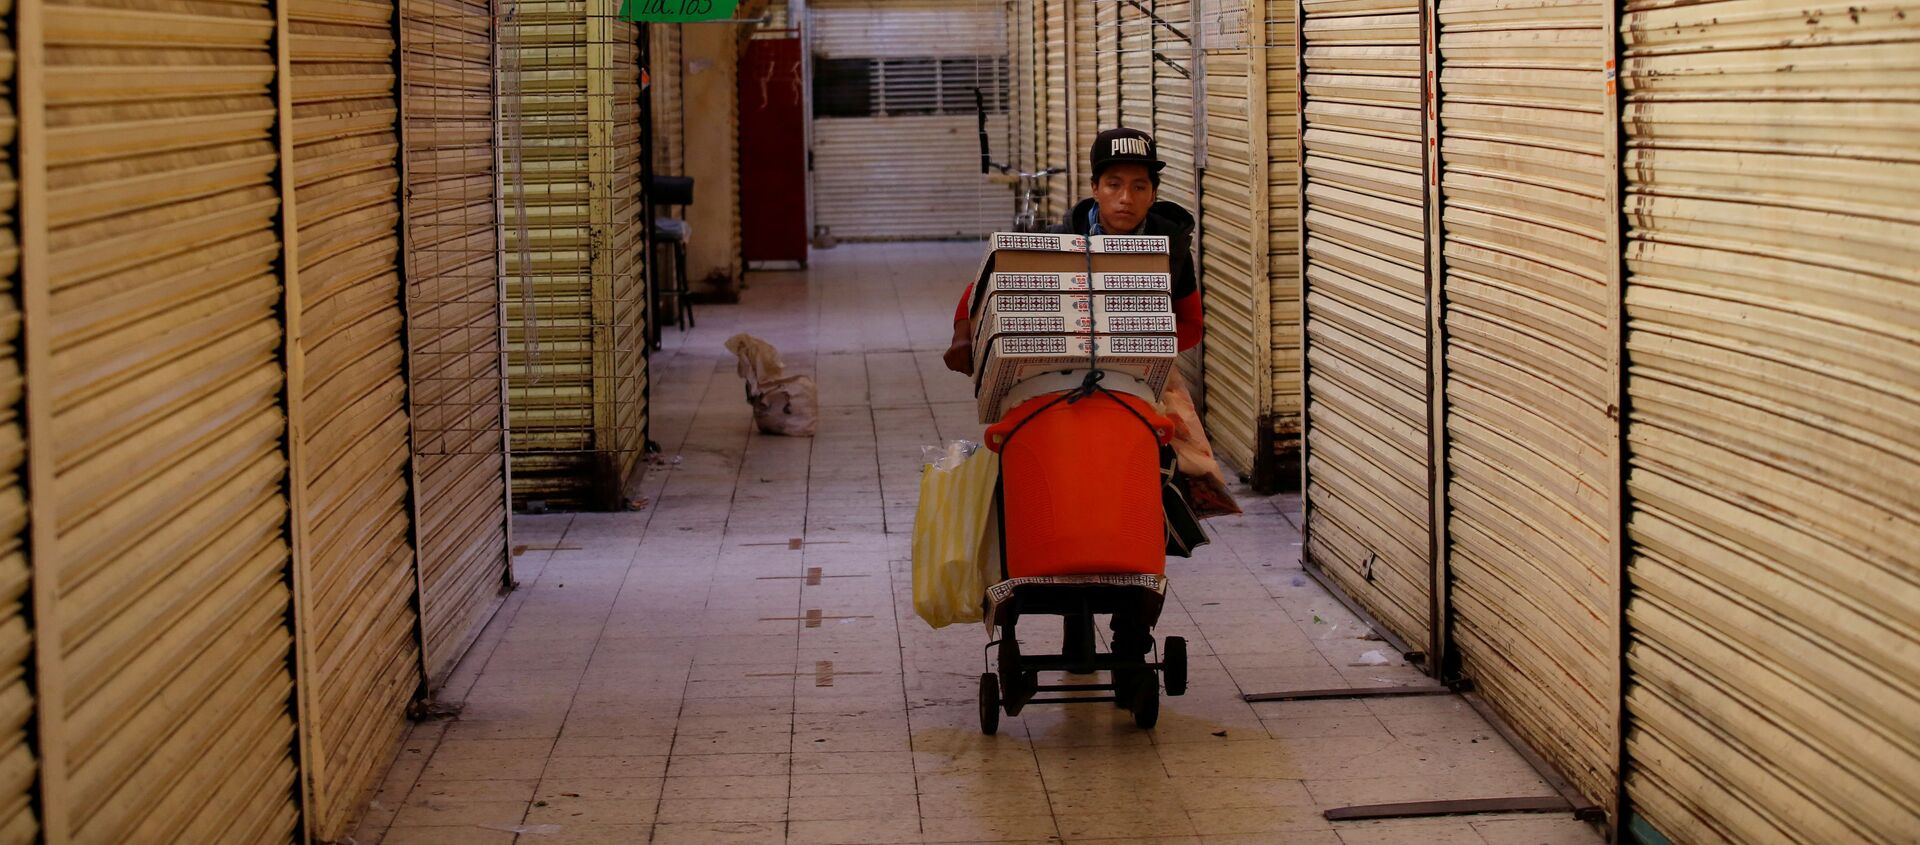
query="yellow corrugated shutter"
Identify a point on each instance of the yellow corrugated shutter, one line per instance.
(1106, 63)
(1085, 78)
(453, 313)
(1283, 241)
(358, 626)
(669, 147)
(1524, 168)
(18, 822)
(574, 444)
(1233, 234)
(163, 603)
(1774, 491)
(1366, 308)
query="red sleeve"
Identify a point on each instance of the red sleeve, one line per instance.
(963, 312)
(1186, 320)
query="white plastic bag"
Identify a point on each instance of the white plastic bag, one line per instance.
(950, 533)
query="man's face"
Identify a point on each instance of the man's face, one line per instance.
(1125, 192)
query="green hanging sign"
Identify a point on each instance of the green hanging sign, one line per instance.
(677, 11)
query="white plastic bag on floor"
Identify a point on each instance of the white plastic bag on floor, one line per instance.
(787, 405)
(950, 533)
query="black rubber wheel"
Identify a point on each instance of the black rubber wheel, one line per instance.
(1173, 665)
(1146, 704)
(989, 704)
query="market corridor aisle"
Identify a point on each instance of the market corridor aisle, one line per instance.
(738, 661)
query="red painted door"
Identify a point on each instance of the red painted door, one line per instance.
(773, 152)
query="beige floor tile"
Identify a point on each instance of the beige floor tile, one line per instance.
(463, 835)
(572, 768)
(442, 812)
(858, 762)
(721, 833)
(1122, 823)
(851, 785)
(723, 809)
(593, 834)
(554, 790)
(830, 808)
(1409, 832)
(1257, 820)
(1536, 830)
(1203, 794)
(565, 811)
(482, 769)
(648, 745)
(1032, 828)
(727, 786)
(484, 790)
(886, 830)
(723, 765)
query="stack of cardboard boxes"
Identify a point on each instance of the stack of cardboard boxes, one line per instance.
(1049, 308)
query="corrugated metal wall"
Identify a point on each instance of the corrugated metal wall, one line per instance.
(928, 158)
(18, 820)
(1774, 492)
(577, 422)
(1173, 90)
(1234, 232)
(357, 624)
(1524, 171)
(1283, 244)
(1134, 41)
(454, 318)
(1058, 129)
(669, 147)
(1366, 307)
(153, 237)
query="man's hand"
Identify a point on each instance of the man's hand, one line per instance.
(959, 357)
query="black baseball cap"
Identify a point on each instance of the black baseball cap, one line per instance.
(1124, 146)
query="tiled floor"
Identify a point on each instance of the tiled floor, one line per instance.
(688, 673)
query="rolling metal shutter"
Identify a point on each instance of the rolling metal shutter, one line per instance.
(1136, 67)
(1525, 170)
(1173, 96)
(454, 318)
(1059, 111)
(18, 822)
(669, 147)
(154, 232)
(357, 623)
(575, 302)
(1366, 308)
(912, 171)
(1283, 242)
(1175, 63)
(1106, 63)
(1085, 79)
(1773, 488)
(1233, 234)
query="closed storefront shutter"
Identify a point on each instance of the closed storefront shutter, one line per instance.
(162, 601)
(454, 317)
(1773, 490)
(1283, 242)
(1524, 171)
(575, 305)
(669, 107)
(17, 765)
(1058, 136)
(1173, 92)
(896, 149)
(1233, 231)
(1136, 67)
(1366, 317)
(358, 630)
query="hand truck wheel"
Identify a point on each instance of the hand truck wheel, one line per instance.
(989, 704)
(1146, 704)
(1173, 665)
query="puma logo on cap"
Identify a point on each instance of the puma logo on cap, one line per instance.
(1128, 147)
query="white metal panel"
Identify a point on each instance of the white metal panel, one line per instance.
(906, 28)
(1365, 303)
(1772, 165)
(905, 178)
(911, 175)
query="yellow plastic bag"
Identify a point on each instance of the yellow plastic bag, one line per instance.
(950, 539)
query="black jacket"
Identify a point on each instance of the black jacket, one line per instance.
(1163, 218)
